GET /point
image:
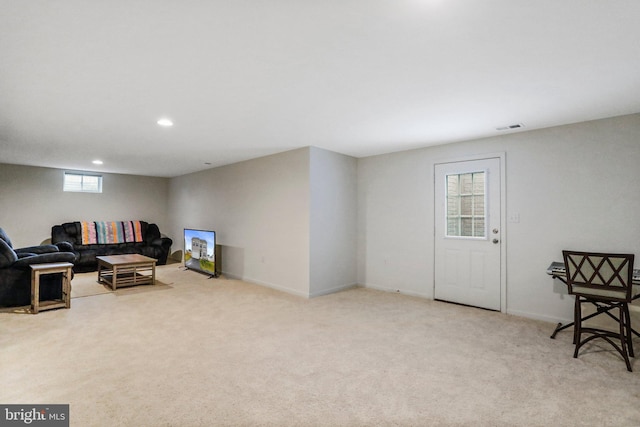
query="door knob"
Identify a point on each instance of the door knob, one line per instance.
(495, 241)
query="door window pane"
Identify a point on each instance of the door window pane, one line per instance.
(453, 227)
(466, 205)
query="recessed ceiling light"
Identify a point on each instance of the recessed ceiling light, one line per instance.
(165, 122)
(97, 162)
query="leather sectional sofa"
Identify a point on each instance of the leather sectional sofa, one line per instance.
(99, 238)
(15, 271)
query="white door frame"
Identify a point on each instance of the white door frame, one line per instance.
(503, 216)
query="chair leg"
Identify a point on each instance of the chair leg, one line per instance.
(628, 333)
(624, 341)
(624, 334)
(577, 325)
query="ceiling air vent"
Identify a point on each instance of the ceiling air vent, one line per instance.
(510, 127)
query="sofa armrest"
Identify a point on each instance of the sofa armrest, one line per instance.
(44, 259)
(25, 254)
(65, 246)
(7, 255)
(162, 241)
(41, 249)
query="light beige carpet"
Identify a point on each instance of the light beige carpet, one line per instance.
(211, 352)
(86, 285)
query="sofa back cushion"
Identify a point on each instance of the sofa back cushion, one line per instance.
(88, 233)
(107, 232)
(132, 231)
(135, 232)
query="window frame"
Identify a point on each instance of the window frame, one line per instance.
(82, 187)
(459, 216)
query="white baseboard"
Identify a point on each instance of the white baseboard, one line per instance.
(267, 285)
(519, 313)
(536, 316)
(398, 291)
(332, 290)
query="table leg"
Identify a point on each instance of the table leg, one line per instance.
(66, 287)
(114, 278)
(35, 291)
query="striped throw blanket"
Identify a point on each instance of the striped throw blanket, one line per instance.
(105, 232)
(132, 231)
(89, 235)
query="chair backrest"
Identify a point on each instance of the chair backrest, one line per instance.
(602, 275)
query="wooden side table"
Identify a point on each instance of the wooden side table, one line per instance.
(38, 270)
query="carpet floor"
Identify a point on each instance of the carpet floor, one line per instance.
(193, 351)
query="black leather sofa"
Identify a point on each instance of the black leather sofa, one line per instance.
(15, 271)
(152, 244)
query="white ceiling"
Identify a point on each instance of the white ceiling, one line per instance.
(83, 80)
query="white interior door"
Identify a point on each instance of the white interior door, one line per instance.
(468, 236)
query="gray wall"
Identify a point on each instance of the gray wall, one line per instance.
(284, 220)
(573, 187)
(260, 211)
(32, 200)
(333, 222)
(287, 221)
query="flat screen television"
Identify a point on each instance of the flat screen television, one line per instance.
(200, 250)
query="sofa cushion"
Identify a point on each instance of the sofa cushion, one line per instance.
(7, 255)
(132, 231)
(108, 232)
(140, 238)
(47, 258)
(3, 236)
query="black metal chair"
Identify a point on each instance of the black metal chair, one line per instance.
(603, 279)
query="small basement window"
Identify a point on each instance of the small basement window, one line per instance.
(82, 182)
